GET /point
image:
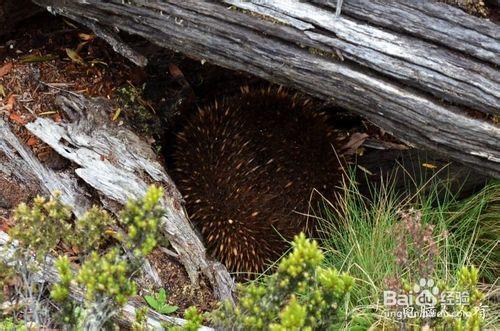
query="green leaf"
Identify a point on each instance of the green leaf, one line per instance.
(162, 296)
(159, 303)
(167, 309)
(151, 301)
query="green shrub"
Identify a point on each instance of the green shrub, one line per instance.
(140, 323)
(301, 295)
(193, 319)
(105, 277)
(141, 219)
(9, 324)
(93, 229)
(36, 233)
(40, 228)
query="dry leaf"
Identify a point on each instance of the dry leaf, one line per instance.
(117, 114)
(11, 100)
(74, 56)
(94, 62)
(57, 118)
(43, 156)
(2, 91)
(366, 171)
(17, 119)
(355, 141)
(5, 69)
(38, 58)
(70, 24)
(110, 232)
(429, 166)
(4, 227)
(51, 112)
(86, 37)
(80, 46)
(32, 141)
(175, 71)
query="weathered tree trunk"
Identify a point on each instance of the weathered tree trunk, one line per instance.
(415, 69)
(14, 11)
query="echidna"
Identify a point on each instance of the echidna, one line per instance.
(247, 166)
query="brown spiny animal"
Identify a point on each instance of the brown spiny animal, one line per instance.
(247, 167)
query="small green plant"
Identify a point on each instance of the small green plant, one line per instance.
(105, 278)
(301, 295)
(141, 219)
(139, 113)
(193, 319)
(105, 275)
(107, 286)
(95, 224)
(37, 232)
(158, 302)
(9, 324)
(69, 315)
(41, 228)
(140, 323)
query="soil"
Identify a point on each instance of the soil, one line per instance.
(473, 7)
(179, 289)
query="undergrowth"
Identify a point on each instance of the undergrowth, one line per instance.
(300, 295)
(377, 264)
(110, 251)
(391, 241)
(398, 261)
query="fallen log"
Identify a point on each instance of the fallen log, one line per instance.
(432, 21)
(406, 68)
(20, 163)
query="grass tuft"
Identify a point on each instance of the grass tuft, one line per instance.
(362, 236)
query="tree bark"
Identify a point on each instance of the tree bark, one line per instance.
(414, 69)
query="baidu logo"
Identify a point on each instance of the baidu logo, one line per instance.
(426, 300)
(423, 294)
(426, 293)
